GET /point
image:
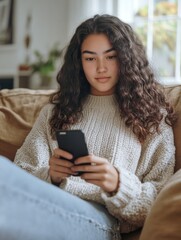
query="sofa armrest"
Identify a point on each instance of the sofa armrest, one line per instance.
(163, 221)
(19, 109)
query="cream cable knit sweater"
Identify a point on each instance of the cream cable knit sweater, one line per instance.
(144, 168)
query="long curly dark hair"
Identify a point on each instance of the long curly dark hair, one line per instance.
(140, 97)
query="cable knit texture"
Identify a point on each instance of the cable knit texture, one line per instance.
(143, 168)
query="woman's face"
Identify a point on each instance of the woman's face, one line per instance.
(100, 64)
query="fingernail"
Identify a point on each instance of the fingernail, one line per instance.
(75, 173)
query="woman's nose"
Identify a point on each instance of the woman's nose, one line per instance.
(101, 66)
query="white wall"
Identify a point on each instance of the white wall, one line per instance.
(79, 10)
(48, 26)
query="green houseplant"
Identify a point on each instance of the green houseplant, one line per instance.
(46, 65)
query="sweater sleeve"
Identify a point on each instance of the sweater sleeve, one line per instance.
(137, 191)
(34, 154)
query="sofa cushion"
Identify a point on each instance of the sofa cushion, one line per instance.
(174, 95)
(163, 222)
(18, 110)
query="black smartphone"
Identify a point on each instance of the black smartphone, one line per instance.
(72, 141)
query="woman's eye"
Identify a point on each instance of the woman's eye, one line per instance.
(111, 57)
(89, 59)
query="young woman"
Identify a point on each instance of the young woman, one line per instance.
(108, 90)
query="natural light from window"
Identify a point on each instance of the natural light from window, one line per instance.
(158, 23)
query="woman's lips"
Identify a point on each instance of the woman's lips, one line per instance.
(102, 79)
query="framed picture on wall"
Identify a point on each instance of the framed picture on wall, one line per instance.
(6, 21)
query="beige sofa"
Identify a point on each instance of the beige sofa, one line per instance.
(18, 111)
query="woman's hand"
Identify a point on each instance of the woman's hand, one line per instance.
(99, 172)
(59, 167)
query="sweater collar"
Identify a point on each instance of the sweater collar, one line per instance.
(101, 101)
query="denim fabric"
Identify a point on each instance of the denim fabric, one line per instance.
(31, 209)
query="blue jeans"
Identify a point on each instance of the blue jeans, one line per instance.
(31, 209)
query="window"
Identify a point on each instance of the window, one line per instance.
(158, 23)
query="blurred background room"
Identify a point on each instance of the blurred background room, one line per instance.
(34, 35)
